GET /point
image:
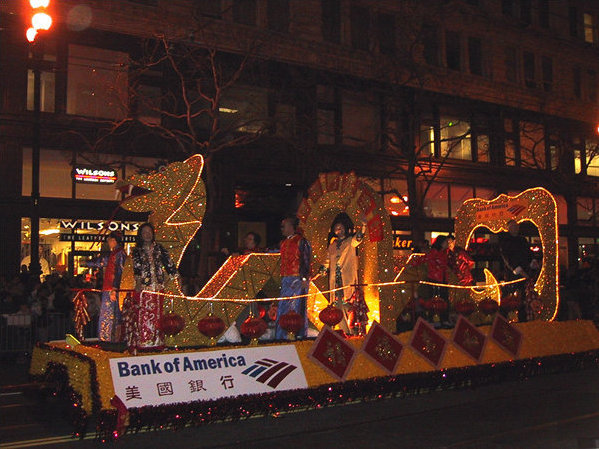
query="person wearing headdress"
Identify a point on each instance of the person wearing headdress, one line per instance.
(151, 266)
(110, 316)
(296, 254)
(342, 266)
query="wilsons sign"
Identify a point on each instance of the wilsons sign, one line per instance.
(94, 175)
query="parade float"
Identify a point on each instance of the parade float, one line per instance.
(195, 380)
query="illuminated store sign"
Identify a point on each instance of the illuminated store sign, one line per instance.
(92, 175)
(88, 225)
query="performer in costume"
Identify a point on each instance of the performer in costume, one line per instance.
(151, 265)
(110, 316)
(296, 255)
(460, 262)
(342, 266)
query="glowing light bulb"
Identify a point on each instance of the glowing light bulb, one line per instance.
(31, 34)
(41, 21)
(39, 3)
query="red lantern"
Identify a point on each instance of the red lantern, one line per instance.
(436, 305)
(171, 324)
(330, 315)
(488, 307)
(465, 308)
(211, 326)
(253, 328)
(292, 322)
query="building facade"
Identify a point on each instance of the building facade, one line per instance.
(432, 103)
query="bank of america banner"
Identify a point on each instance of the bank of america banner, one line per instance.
(195, 376)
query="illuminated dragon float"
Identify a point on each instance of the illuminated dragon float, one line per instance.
(175, 197)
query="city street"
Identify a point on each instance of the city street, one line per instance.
(549, 412)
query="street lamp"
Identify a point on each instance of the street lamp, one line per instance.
(40, 20)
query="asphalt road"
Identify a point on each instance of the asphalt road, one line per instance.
(549, 412)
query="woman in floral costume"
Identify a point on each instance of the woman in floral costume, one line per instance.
(151, 265)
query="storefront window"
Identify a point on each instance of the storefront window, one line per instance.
(97, 82)
(55, 173)
(65, 244)
(56, 180)
(397, 197)
(562, 209)
(459, 194)
(484, 193)
(585, 211)
(436, 201)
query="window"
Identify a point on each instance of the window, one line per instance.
(427, 140)
(244, 109)
(325, 123)
(592, 86)
(529, 69)
(453, 51)
(591, 156)
(510, 143)
(585, 211)
(360, 27)
(573, 19)
(484, 193)
(278, 15)
(455, 138)
(577, 82)
(97, 84)
(55, 173)
(458, 195)
(532, 145)
(396, 199)
(386, 33)
(331, 20)
(547, 69)
(47, 91)
(149, 104)
(507, 7)
(543, 13)
(436, 202)
(475, 56)
(360, 120)
(511, 64)
(589, 28)
(482, 147)
(209, 8)
(244, 12)
(525, 12)
(430, 44)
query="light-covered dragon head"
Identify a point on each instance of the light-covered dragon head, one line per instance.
(175, 196)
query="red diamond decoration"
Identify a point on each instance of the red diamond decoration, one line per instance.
(428, 343)
(382, 348)
(469, 339)
(333, 353)
(506, 335)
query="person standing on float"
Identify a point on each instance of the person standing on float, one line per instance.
(110, 316)
(342, 266)
(151, 265)
(296, 255)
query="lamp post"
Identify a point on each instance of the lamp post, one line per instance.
(40, 20)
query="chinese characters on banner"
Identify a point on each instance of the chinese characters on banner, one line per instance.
(192, 376)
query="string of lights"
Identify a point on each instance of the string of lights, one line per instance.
(323, 292)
